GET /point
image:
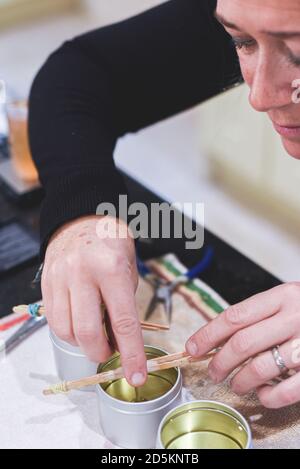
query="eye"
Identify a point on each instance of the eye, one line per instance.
(243, 44)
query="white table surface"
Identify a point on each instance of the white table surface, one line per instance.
(30, 420)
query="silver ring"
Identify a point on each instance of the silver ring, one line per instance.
(279, 360)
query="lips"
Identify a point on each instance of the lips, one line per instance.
(288, 131)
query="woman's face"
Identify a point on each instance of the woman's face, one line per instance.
(266, 34)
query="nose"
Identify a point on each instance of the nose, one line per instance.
(268, 88)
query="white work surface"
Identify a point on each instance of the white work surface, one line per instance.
(30, 420)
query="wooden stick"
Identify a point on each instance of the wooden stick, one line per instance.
(156, 364)
(147, 326)
(167, 358)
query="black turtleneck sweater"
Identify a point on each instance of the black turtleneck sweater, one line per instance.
(114, 80)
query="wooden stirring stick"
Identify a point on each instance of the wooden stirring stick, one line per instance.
(156, 364)
(147, 326)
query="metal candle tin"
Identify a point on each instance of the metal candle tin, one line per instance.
(130, 416)
(70, 361)
(204, 425)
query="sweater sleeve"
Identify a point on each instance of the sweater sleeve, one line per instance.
(112, 81)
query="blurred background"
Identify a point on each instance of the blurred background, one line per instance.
(220, 153)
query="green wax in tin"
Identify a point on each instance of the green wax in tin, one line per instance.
(155, 387)
(157, 384)
(203, 425)
(204, 440)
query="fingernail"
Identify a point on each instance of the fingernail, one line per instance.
(192, 348)
(137, 379)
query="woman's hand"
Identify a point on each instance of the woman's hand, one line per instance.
(250, 330)
(89, 261)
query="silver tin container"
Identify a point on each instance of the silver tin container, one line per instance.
(130, 418)
(70, 361)
(204, 425)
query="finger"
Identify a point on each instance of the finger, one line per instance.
(47, 296)
(247, 343)
(282, 395)
(61, 323)
(119, 298)
(236, 317)
(262, 369)
(87, 320)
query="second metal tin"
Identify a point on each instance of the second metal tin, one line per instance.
(204, 425)
(130, 417)
(70, 361)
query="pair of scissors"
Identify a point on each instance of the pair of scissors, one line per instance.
(163, 290)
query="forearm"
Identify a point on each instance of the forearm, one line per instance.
(71, 144)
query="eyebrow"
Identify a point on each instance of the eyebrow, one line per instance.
(278, 34)
(225, 22)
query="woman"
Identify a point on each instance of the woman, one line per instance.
(122, 78)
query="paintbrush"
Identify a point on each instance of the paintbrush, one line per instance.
(147, 326)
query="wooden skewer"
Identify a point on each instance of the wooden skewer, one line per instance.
(156, 364)
(168, 358)
(147, 326)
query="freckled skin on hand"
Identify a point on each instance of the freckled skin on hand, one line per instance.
(95, 267)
